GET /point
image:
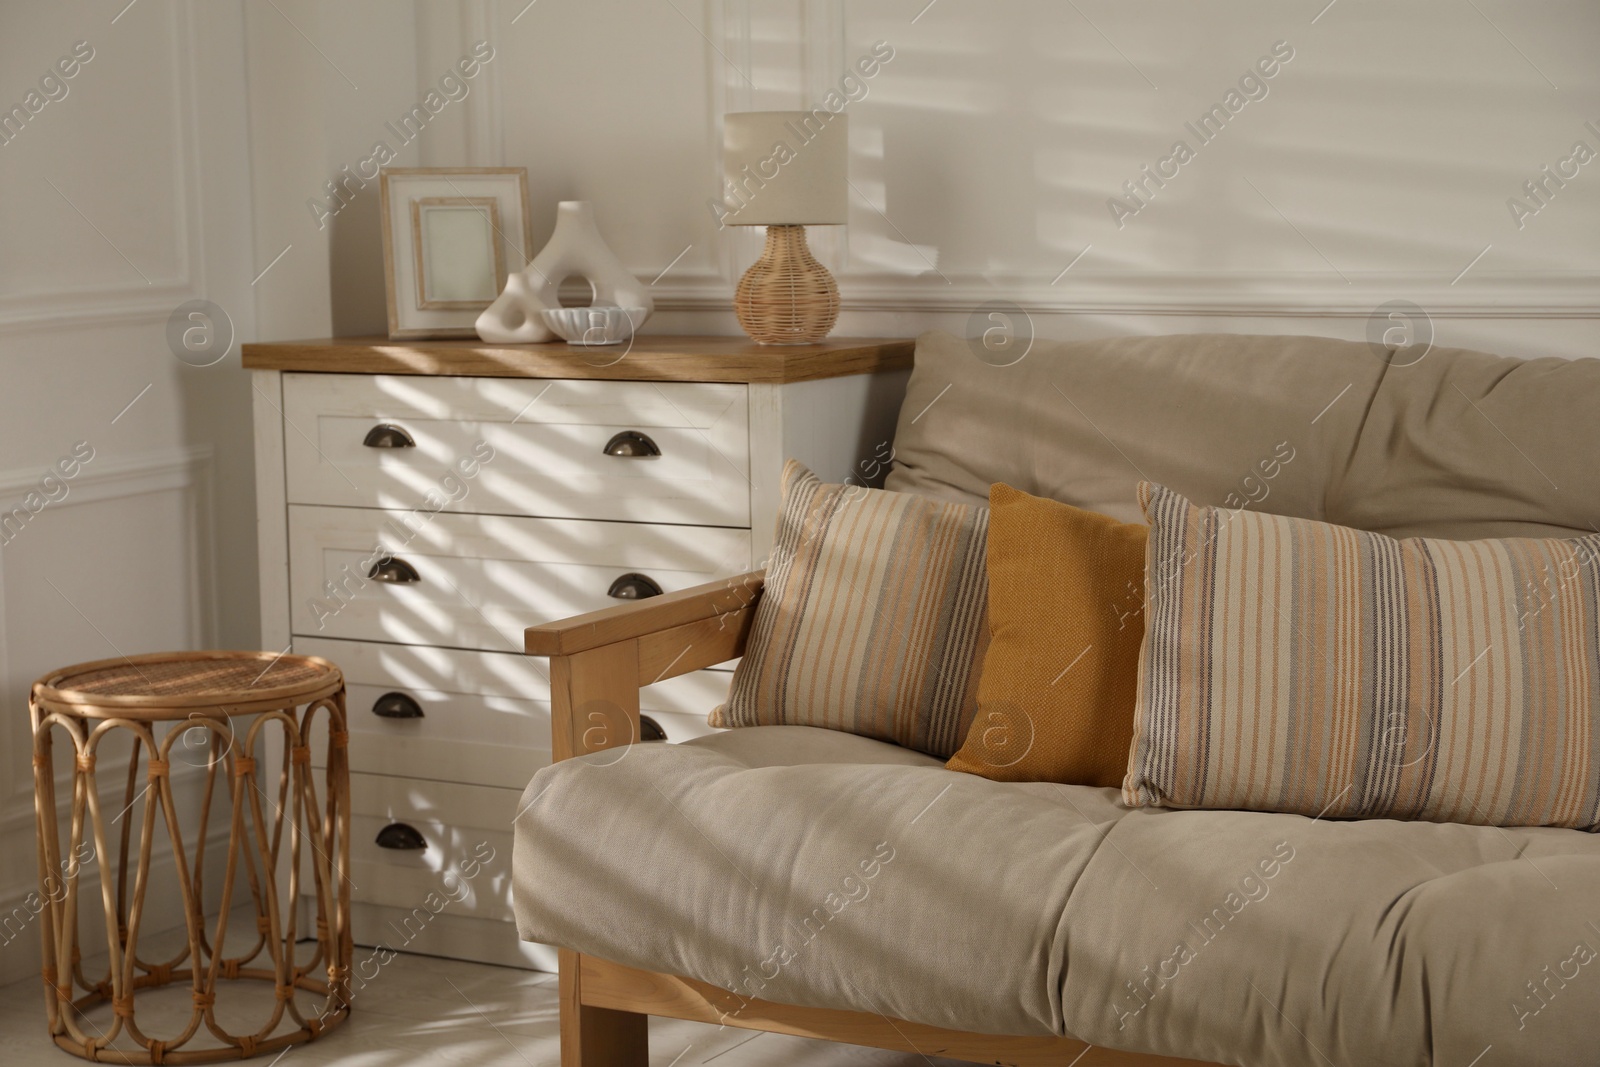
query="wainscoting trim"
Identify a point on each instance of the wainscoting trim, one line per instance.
(1507, 296)
(187, 468)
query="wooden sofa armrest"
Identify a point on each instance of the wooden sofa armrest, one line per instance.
(643, 617)
(600, 661)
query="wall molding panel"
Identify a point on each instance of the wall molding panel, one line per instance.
(151, 151)
(486, 131)
(111, 479)
(760, 55)
(1515, 296)
(186, 470)
(135, 304)
(740, 35)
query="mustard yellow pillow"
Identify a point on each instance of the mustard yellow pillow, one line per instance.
(1057, 692)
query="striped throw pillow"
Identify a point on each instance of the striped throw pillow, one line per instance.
(1295, 666)
(872, 619)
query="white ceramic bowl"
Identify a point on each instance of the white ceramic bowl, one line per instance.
(594, 325)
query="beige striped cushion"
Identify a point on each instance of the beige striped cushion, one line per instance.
(1290, 665)
(873, 619)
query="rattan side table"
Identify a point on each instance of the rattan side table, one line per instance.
(232, 702)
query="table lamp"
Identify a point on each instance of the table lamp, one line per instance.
(785, 170)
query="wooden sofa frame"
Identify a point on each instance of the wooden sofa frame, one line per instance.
(598, 663)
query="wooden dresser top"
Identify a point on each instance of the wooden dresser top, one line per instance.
(651, 359)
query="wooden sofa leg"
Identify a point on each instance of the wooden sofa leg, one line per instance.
(597, 1037)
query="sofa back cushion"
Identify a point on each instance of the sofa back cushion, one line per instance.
(872, 619)
(1455, 444)
(1292, 665)
(1066, 615)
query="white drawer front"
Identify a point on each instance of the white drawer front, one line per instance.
(467, 860)
(548, 441)
(485, 715)
(482, 579)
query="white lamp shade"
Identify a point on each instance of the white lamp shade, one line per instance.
(785, 168)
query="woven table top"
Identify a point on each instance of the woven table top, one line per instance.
(188, 679)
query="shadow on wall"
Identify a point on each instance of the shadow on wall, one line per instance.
(212, 401)
(1346, 160)
(355, 268)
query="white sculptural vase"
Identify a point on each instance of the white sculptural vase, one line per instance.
(575, 248)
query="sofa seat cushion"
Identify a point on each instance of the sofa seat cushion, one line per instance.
(825, 869)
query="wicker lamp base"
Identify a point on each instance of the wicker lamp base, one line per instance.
(787, 297)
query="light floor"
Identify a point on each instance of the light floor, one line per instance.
(425, 1012)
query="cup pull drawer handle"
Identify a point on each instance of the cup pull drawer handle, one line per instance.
(650, 730)
(632, 443)
(398, 835)
(394, 570)
(396, 706)
(633, 586)
(388, 435)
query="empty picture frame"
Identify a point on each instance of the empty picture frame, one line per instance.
(460, 262)
(450, 235)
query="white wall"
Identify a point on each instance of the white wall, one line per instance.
(1376, 168)
(121, 200)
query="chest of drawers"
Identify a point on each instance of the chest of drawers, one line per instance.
(420, 504)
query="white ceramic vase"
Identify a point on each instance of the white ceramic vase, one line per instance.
(575, 248)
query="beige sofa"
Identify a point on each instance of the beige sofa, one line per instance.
(809, 881)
